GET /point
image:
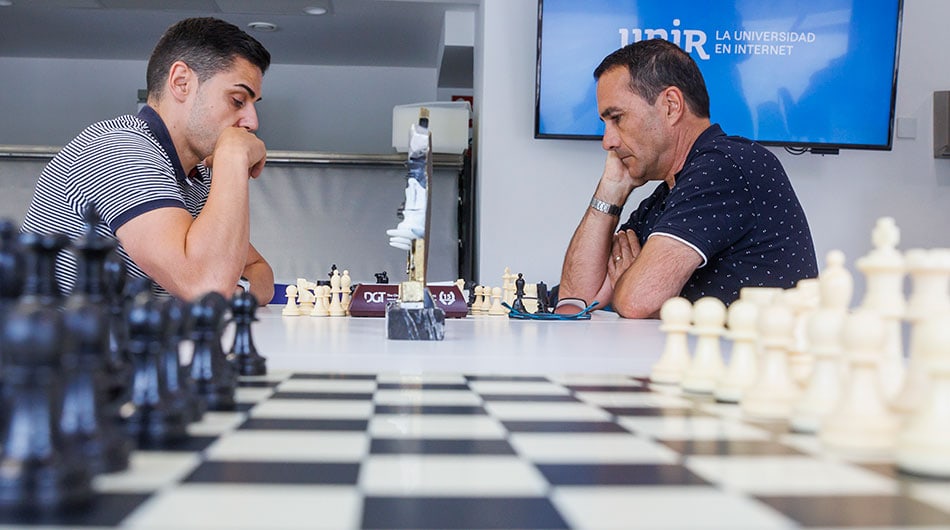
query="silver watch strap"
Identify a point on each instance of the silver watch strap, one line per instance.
(605, 207)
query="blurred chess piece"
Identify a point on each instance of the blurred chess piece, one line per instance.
(709, 322)
(824, 328)
(923, 448)
(883, 269)
(676, 315)
(861, 421)
(774, 393)
(929, 271)
(743, 358)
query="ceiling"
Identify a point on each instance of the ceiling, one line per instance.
(398, 33)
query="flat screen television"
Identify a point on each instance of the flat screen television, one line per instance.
(797, 73)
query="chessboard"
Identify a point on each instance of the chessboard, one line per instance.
(395, 450)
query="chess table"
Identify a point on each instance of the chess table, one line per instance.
(504, 424)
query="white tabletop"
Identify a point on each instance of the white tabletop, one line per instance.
(606, 344)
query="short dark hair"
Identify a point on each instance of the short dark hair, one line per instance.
(207, 46)
(654, 65)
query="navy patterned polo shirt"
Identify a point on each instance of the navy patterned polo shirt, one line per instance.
(733, 203)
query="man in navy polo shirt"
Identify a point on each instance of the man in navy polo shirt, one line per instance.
(723, 217)
(170, 184)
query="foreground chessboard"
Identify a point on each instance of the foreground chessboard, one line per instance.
(309, 450)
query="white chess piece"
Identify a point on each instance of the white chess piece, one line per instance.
(304, 296)
(861, 420)
(676, 315)
(803, 302)
(929, 271)
(743, 358)
(345, 283)
(709, 321)
(336, 307)
(924, 445)
(531, 297)
(321, 304)
(291, 309)
(883, 269)
(774, 393)
(824, 344)
(487, 301)
(496, 308)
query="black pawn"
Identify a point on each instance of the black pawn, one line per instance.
(153, 419)
(180, 385)
(243, 310)
(36, 471)
(88, 423)
(518, 303)
(213, 372)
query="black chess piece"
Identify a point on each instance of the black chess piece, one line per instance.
(243, 311)
(37, 473)
(213, 372)
(382, 277)
(40, 285)
(12, 266)
(518, 303)
(92, 250)
(152, 417)
(89, 425)
(181, 386)
(118, 363)
(544, 305)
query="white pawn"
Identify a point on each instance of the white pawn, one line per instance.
(486, 301)
(676, 314)
(883, 269)
(824, 344)
(478, 300)
(496, 308)
(930, 276)
(923, 447)
(291, 309)
(861, 420)
(336, 308)
(709, 322)
(321, 304)
(743, 359)
(774, 393)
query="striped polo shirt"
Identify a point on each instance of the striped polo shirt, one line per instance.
(125, 166)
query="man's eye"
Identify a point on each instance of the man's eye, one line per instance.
(237, 103)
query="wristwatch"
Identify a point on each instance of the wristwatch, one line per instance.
(605, 207)
(245, 284)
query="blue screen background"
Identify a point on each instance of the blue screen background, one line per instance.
(832, 86)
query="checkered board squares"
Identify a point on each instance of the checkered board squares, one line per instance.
(309, 450)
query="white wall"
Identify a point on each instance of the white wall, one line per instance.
(342, 109)
(533, 192)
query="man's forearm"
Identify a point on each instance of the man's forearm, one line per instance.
(585, 262)
(261, 277)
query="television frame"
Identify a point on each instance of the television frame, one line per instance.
(796, 147)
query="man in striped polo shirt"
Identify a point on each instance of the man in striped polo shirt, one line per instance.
(150, 175)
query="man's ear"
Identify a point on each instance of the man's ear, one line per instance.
(181, 80)
(675, 103)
